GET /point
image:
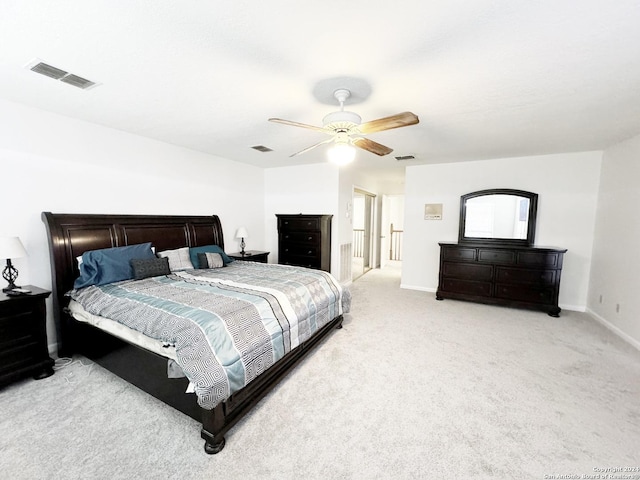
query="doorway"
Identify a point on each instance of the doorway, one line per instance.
(392, 230)
(363, 224)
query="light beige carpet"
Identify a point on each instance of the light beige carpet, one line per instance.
(409, 388)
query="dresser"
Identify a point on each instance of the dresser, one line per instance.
(514, 276)
(305, 240)
(23, 336)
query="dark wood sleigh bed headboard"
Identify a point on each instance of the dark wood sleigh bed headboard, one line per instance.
(70, 235)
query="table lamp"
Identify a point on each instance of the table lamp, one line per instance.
(11, 247)
(241, 233)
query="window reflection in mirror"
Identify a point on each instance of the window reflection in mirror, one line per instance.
(497, 216)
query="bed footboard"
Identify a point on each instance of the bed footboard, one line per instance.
(217, 422)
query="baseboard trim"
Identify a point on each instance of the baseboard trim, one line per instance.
(422, 289)
(574, 308)
(626, 337)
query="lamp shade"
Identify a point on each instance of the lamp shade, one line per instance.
(11, 247)
(341, 154)
(242, 233)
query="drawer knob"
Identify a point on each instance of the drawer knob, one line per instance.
(310, 238)
(309, 252)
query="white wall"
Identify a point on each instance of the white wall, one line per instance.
(321, 188)
(616, 256)
(54, 163)
(567, 186)
(310, 189)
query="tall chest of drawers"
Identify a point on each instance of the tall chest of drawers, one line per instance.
(527, 277)
(305, 240)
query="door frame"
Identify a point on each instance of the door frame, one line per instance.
(370, 228)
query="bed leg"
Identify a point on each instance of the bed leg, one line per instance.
(339, 324)
(211, 447)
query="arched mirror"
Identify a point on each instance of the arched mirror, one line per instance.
(499, 215)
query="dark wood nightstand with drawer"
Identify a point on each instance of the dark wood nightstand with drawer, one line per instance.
(23, 336)
(251, 256)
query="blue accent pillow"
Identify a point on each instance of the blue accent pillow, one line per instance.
(109, 265)
(194, 251)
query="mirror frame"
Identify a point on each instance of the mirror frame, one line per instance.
(531, 225)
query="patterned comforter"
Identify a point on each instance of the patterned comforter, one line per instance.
(228, 324)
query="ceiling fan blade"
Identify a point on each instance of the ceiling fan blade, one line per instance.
(312, 147)
(371, 146)
(394, 121)
(296, 124)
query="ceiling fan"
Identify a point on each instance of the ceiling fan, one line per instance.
(345, 127)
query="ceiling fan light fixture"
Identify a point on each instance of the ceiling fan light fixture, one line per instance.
(342, 119)
(341, 154)
(347, 130)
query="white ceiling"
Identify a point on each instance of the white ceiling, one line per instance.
(487, 78)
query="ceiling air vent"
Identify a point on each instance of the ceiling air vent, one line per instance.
(59, 74)
(262, 148)
(77, 81)
(48, 70)
(405, 157)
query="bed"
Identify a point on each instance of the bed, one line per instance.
(72, 235)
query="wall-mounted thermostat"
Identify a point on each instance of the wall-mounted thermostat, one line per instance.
(433, 211)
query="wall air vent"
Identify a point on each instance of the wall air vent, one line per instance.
(405, 157)
(262, 148)
(50, 71)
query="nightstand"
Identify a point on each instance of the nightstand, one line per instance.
(251, 255)
(23, 336)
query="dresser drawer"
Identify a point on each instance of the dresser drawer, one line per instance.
(522, 276)
(294, 249)
(19, 356)
(300, 237)
(298, 224)
(525, 293)
(300, 261)
(467, 287)
(461, 254)
(15, 310)
(467, 271)
(496, 256)
(16, 328)
(539, 259)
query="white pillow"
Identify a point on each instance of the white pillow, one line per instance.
(178, 259)
(214, 260)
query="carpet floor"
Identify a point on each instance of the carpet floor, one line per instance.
(410, 388)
